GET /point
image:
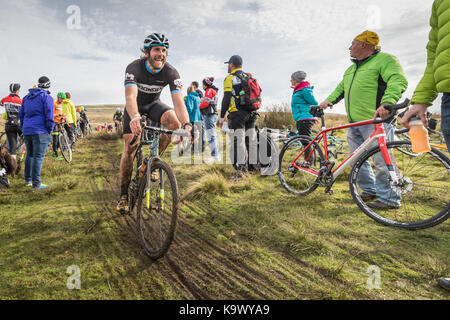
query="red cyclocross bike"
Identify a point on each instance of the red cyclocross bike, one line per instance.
(419, 182)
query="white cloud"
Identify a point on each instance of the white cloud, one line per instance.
(275, 38)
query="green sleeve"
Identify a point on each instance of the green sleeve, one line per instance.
(4, 116)
(426, 91)
(337, 94)
(74, 113)
(396, 83)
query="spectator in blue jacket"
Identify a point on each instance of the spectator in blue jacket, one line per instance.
(36, 121)
(195, 117)
(302, 100)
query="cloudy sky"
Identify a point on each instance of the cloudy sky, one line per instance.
(88, 56)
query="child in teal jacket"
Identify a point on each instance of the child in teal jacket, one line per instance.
(302, 100)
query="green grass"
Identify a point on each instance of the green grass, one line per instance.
(235, 240)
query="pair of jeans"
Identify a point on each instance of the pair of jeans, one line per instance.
(210, 122)
(36, 147)
(445, 118)
(379, 185)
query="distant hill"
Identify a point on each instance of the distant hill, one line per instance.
(102, 106)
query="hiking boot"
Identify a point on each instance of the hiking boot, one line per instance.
(238, 176)
(241, 172)
(381, 205)
(122, 205)
(367, 196)
(444, 283)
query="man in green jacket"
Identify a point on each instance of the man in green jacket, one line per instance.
(436, 78)
(373, 80)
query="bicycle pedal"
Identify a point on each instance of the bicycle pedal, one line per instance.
(329, 191)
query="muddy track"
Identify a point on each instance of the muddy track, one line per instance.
(198, 267)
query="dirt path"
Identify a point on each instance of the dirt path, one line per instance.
(198, 267)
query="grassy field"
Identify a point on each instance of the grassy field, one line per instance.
(243, 240)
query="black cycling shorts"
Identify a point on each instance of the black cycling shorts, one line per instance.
(154, 111)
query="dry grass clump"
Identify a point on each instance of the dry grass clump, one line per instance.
(209, 184)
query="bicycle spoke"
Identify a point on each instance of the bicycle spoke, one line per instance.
(423, 187)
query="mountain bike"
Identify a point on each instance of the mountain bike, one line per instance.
(421, 181)
(63, 141)
(78, 132)
(118, 127)
(153, 192)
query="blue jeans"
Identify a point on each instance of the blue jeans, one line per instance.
(379, 185)
(210, 126)
(445, 118)
(36, 147)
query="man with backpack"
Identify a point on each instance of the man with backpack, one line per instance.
(242, 99)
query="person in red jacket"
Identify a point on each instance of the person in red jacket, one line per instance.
(208, 109)
(12, 105)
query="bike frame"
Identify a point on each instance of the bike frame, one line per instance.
(379, 136)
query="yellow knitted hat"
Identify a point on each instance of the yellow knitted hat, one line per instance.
(369, 37)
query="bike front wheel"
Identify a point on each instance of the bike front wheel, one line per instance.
(157, 209)
(421, 197)
(64, 146)
(297, 181)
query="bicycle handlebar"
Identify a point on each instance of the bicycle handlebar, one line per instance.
(159, 130)
(393, 111)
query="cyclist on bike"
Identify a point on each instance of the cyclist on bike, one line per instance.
(12, 104)
(59, 118)
(375, 79)
(118, 116)
(71, 116)
(145, 79)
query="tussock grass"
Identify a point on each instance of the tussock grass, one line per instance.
(104, 136)
(208, 185)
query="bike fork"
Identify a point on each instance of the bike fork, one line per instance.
(389, 159)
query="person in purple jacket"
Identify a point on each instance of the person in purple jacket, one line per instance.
(36, 121)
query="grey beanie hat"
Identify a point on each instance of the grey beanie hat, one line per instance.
(299, 76)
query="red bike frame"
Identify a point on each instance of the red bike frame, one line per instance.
(379, 136)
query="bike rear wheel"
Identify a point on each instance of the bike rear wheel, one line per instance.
(424, 187)
(296, 181)
(157, 210)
